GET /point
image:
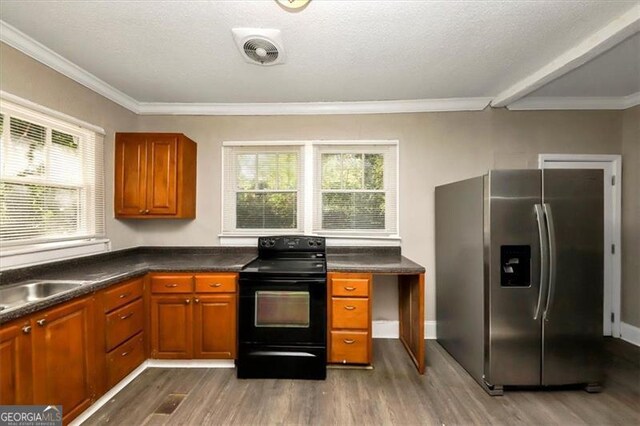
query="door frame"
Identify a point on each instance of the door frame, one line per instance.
(614, 206)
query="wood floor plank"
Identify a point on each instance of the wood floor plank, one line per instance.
(391, 393)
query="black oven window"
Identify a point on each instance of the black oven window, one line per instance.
(289, 309)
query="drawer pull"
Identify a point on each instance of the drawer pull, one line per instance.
(123, 295)
(41, 322)
(125, 353)
(349, 308)
(349, 288)
(349, 341)
(215, 285)
(124, 317)
(171, 285)
(26, 329)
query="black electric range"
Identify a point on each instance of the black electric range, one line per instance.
(282, 312)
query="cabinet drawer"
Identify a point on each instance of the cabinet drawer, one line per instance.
(124, 359)
(124, 323)
(350, 287)
(350, 312)
(172, 284)
(216, 283)
(349, 347)
(122, 294)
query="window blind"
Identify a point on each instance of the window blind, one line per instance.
(51, 179)
(262, 188)
(355, 189)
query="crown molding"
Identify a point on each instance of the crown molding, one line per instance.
(610, 35)
(575, 103)
(315, 108)
(36, 50)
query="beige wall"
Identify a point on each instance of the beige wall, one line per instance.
(631, 216)
(435, 148)
(22, 76)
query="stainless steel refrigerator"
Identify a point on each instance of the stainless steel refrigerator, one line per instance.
(519, 277)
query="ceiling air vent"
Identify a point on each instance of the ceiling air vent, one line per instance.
(259, 46)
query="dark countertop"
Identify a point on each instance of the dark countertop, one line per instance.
(379, 263)
(106, 269)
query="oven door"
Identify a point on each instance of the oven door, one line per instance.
(282, 311)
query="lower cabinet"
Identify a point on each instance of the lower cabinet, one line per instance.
(349, 318)
(171, 327)
(215, 326)
(16, 384)
(200, 324)
(71, 354)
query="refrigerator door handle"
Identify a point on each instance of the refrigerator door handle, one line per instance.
(544, 258)
(552, 260)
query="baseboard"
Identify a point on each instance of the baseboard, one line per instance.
(108, 396)
(383, 329)
(190, 363)
(630, 333)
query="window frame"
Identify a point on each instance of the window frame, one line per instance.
(33, 251)
(308, 204)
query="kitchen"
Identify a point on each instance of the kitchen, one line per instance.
(446, 131)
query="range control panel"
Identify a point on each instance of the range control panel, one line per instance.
(292, 243)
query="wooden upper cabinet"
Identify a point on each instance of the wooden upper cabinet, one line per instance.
(64, 351)
(155, 176)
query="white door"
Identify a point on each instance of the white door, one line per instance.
(610, 165)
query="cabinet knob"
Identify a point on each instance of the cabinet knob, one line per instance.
(187, 301)
(26, 329)
(123, 295)
(41, 322)
(196, 300)
(146, 211)
(141, 212)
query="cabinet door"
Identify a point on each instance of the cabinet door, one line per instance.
(171, 327)
(215, 326)
(64, 357)
(15, 364)
(162, 174)
(130, 175)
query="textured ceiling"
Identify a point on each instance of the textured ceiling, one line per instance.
(614, 73)
(183, 51)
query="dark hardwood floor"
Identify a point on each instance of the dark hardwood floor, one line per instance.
(392, 393)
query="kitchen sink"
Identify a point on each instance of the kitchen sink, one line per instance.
(18, 295)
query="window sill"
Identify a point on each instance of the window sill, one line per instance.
(21, 256)
(245, 240)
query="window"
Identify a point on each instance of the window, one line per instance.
(51, 179)
(264, 188)
(350, 188)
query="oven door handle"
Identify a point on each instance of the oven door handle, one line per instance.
(263, 282)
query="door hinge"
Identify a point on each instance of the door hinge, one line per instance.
(613, 317)
(613, 249)
(613, 180)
